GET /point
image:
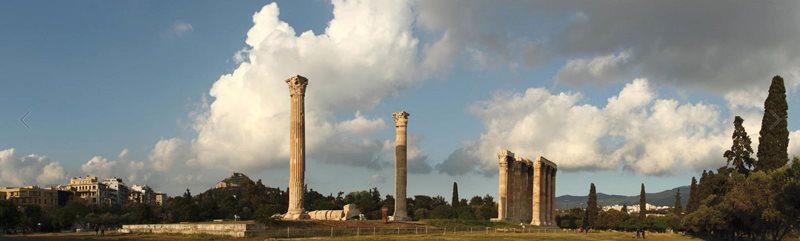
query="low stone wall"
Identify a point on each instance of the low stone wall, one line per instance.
(223, 229)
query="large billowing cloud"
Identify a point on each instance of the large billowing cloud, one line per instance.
(366, 53)
(32, 169)
(635, 130)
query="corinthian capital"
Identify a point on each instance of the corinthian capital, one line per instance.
(297, 85)
(400, 118)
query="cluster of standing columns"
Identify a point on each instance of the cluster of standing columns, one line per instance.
(526, 189)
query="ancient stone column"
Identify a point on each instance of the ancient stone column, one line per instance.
(553, 197)
(528, 190)
(512, 189)
(546, 199)
(503, 184)
(517, 201)
(524, 194)
(401, 170)
(538, 194)
(297, 148)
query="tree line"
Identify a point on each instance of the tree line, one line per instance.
(249, 200)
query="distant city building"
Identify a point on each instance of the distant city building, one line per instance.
(635, 208)
(160, 198)
(117, 191)
(87, 188)
(111, 191)
(31, 195)
(142, 194)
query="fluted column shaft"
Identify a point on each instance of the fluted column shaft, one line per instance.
(537, 216)
(401, 169)
(512, 201)
(502, 202)
(505, 188)
(529, 191)
(297, 147)
(546, 205)
(553, 197)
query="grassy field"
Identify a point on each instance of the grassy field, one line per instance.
(522, 236)
(457, 237)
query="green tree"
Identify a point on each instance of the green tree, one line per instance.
(443, 212)
(569, 218)
(591, 208)
(71, 214)
(694, 201)
(678, 205)
(183, 208)
(265, 212)
(388, 202)
(455, 200)
(369, 202)
(786, 213)
(484, 207)
(774, 135)
(642, 204)
(625, 208)
(739, 156)
(141, 213)
(9, 216)
(748, 199)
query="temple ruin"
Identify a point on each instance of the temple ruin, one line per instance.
(526, 190)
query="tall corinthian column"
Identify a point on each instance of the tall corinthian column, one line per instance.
(400, 178)
(504, 179)
(297, 148)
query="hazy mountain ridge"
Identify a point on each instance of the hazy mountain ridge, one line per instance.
(663, 198)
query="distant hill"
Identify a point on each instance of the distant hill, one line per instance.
(664, 198)
(235, 180)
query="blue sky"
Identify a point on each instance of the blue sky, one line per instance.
(137, 90)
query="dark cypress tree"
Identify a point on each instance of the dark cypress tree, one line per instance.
(625, 208)
(455, 201)
(774, 135)
(642, 204)
(739, 156)
(694, 202)
(678, 205)
(591, 207)
(702, 188)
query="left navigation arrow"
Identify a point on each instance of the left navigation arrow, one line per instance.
(22, 119)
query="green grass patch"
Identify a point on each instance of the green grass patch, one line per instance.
(468, 223)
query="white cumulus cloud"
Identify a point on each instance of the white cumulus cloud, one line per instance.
(635, 130)
(131, 171)
(28, 170)
(366, 53)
